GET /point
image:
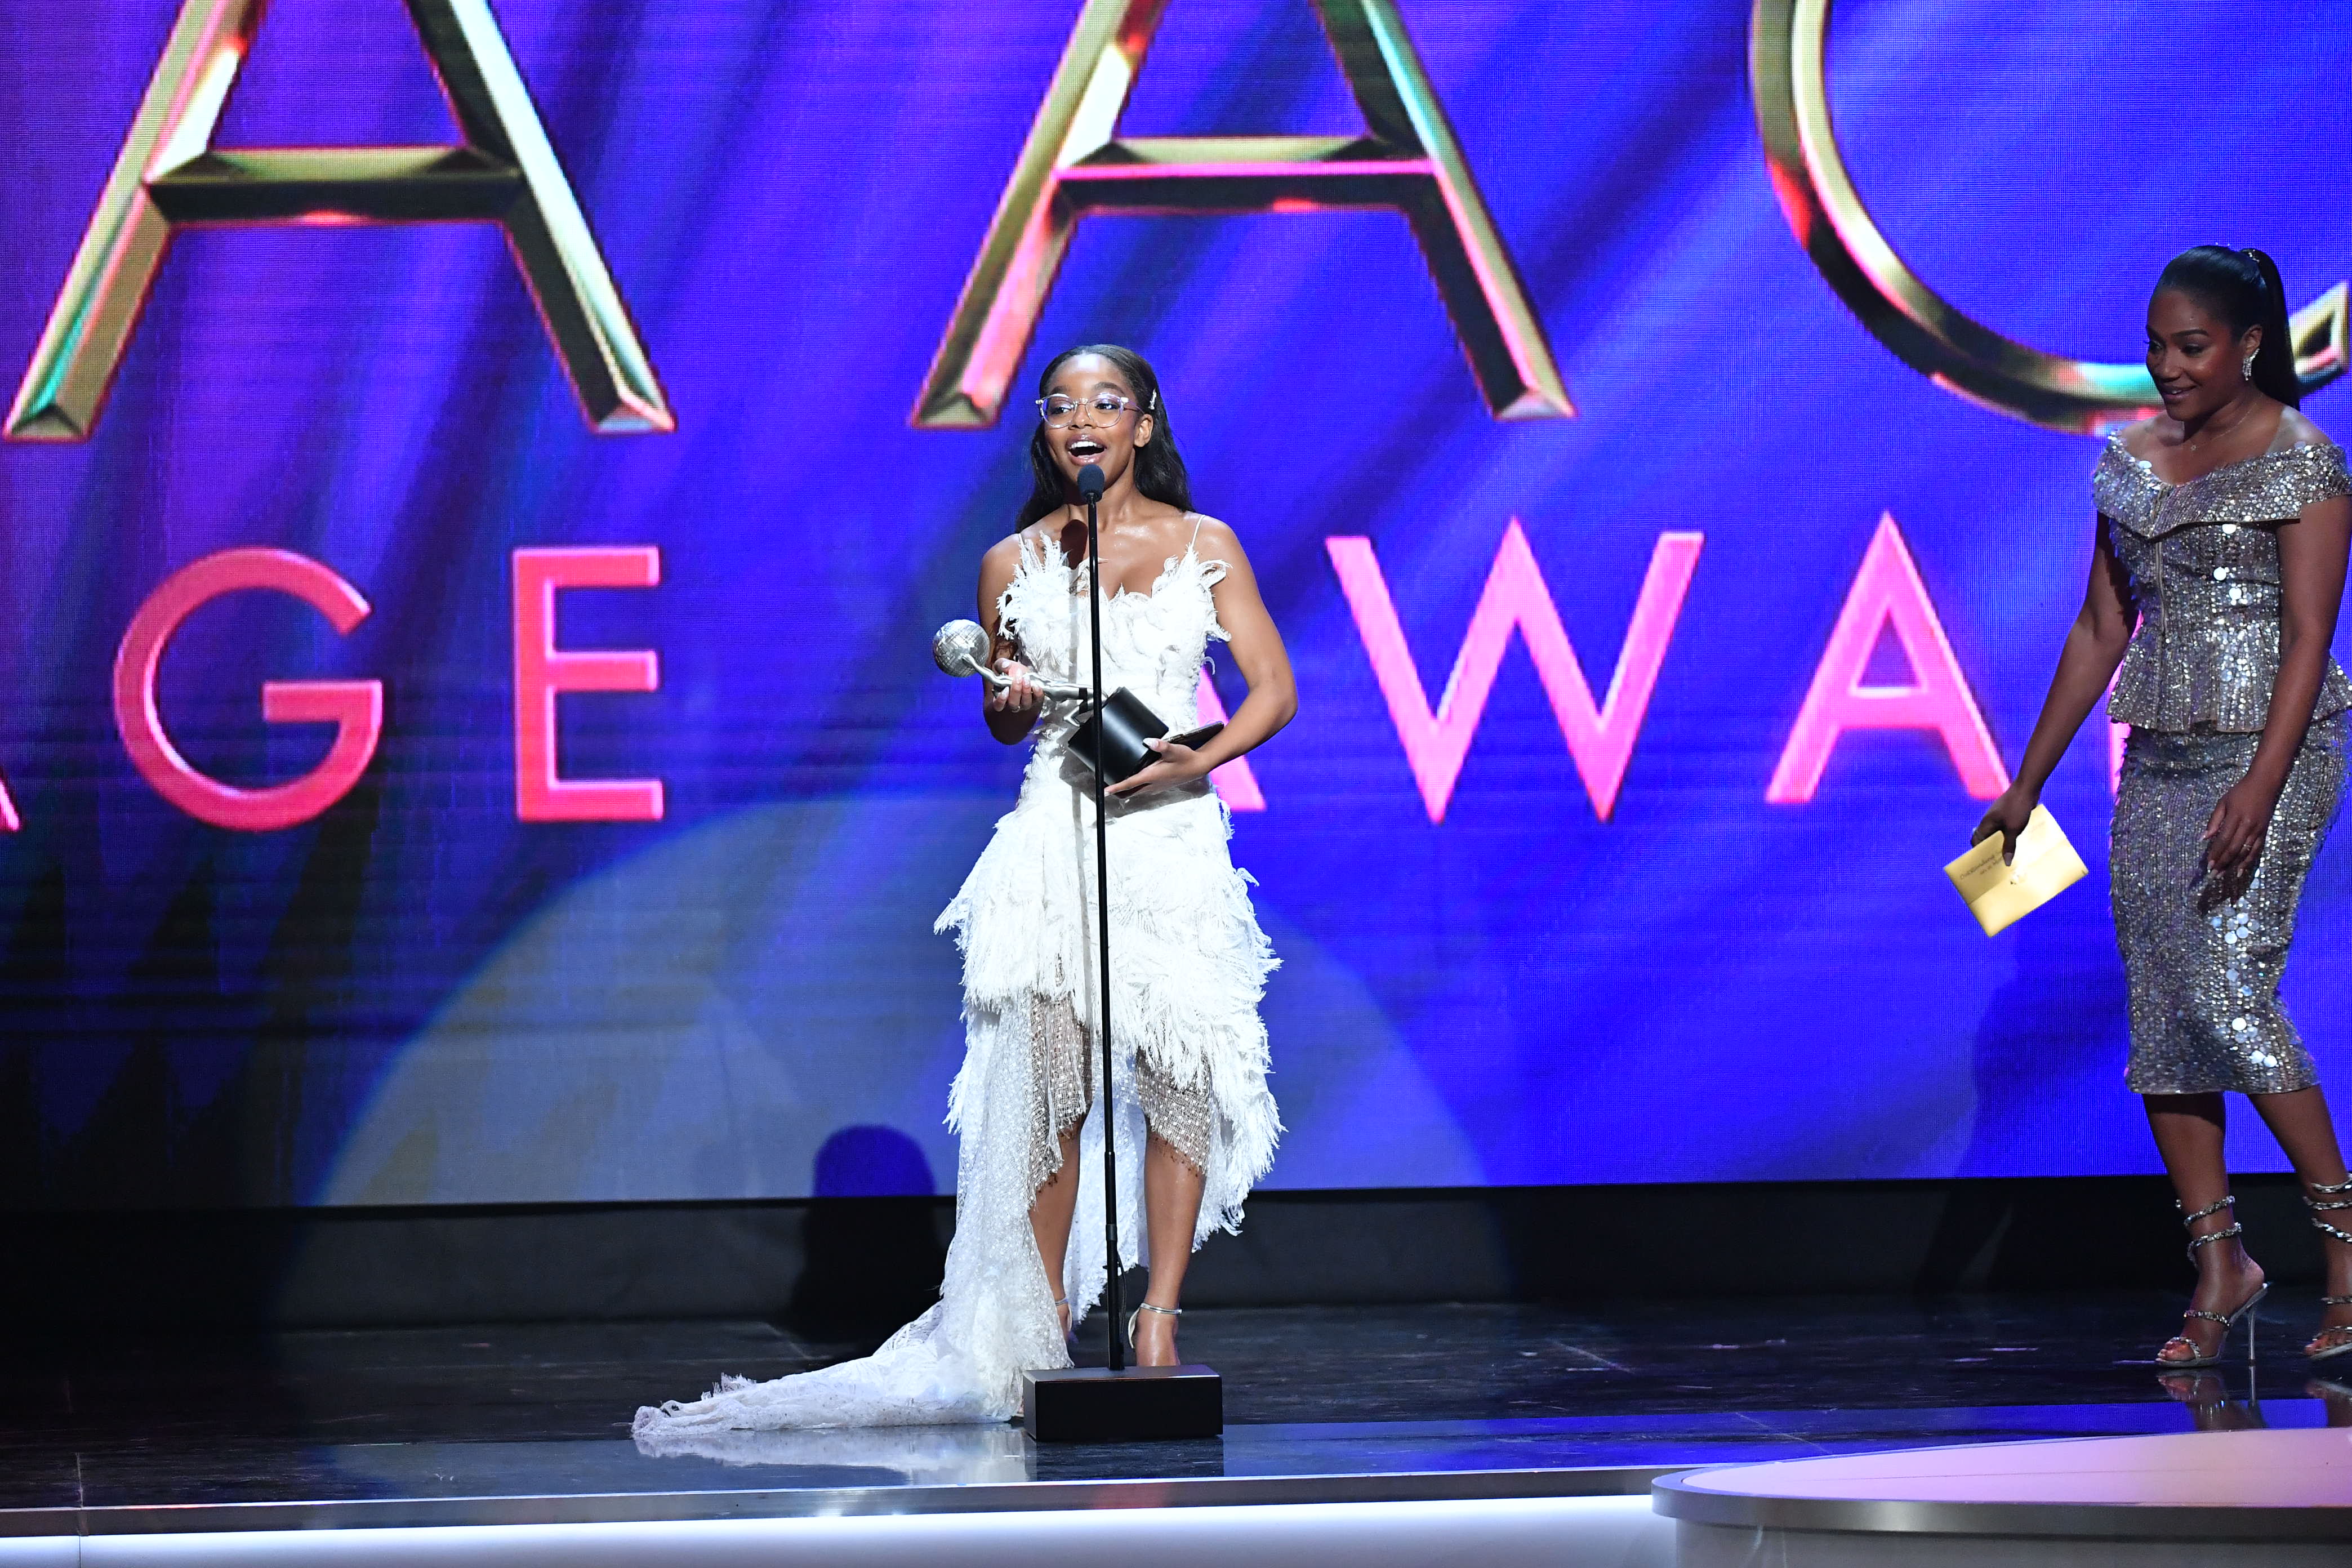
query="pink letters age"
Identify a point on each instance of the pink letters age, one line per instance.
(1887, 595)
(355, 708)
(1599, 740)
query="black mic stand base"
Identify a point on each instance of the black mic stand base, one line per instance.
(1131, 1405)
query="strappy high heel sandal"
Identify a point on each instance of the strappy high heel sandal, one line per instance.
(1063, 1301)
(2330, 1343)
(1136, 1316)
(2227, 1319)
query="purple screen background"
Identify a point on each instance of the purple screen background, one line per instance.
(419, 999)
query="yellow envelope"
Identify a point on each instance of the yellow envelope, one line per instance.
(2000, 896)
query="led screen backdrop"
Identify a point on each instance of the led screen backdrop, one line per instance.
(1584, 857)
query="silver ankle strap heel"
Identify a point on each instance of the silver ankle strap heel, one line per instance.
(2337, 1201)
(2208, 1211)
(1136, 1316)
(2330, 1343)
(2227, 1319)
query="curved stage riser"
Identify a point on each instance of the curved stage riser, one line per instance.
(1730, 1546)
(2253, 1497)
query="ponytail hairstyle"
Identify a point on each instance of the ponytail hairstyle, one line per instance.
(1159, 466)
(2243, 288)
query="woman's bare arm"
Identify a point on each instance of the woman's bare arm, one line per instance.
(1258, 651)
(2093, 647)
(1011, 711)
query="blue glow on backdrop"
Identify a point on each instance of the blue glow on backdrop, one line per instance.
(417, 997)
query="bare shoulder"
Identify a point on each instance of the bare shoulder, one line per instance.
(999, 566)
(2141, 437)
(2296, 428)
(1215, 537)
(1004, 554)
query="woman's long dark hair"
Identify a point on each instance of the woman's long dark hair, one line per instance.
(1158, 466)
(2243, 288)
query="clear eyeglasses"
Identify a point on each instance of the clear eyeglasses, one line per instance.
(1107, 407)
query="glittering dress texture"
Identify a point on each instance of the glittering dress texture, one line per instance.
(2204, 567)
(2204, 967)
(2202, 959)
(1189, 1061)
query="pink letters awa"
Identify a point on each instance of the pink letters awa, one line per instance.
(541, 671)
(1887, 593)
(1600, 741)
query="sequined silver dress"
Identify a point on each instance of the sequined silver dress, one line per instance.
(2203, 959)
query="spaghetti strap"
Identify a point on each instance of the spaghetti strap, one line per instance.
(1198, 519)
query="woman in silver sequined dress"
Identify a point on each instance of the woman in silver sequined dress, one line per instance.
(2221, 532)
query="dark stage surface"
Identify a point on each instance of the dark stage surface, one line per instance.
(511, 1424)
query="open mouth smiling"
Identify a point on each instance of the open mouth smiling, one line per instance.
(1085, 449)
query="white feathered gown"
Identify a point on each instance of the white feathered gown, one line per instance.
(1188, 967)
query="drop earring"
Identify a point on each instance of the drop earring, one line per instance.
(2246, 367)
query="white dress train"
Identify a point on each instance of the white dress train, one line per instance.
(1188, 968)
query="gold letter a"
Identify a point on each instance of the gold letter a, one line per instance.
(1076, 163)
(169, 173)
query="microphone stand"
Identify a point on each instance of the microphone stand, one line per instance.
(1115, 1346)
(1116, 1404)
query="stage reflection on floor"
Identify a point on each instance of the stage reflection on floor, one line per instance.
(515, 1424)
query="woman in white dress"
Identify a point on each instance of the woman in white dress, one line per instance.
(1187, 961)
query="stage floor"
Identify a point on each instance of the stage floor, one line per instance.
(528, 1424)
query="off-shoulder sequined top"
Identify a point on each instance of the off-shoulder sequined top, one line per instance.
(2203, 561)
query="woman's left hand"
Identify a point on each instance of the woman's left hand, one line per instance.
(2234, 839)
(1177, 764)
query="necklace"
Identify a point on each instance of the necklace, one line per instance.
(2195, 442)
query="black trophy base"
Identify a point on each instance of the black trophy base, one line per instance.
(1096, 1405)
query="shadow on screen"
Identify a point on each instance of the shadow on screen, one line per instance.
(2048, 1052)
(872, 1251)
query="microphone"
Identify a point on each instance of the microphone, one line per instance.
(1090, 483)
(960, 647)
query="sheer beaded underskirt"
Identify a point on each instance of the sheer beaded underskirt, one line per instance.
(1064, 1071)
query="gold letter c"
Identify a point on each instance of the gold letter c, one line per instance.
(1786, 41)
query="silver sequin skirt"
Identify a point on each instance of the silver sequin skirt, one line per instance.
(2203, 966)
